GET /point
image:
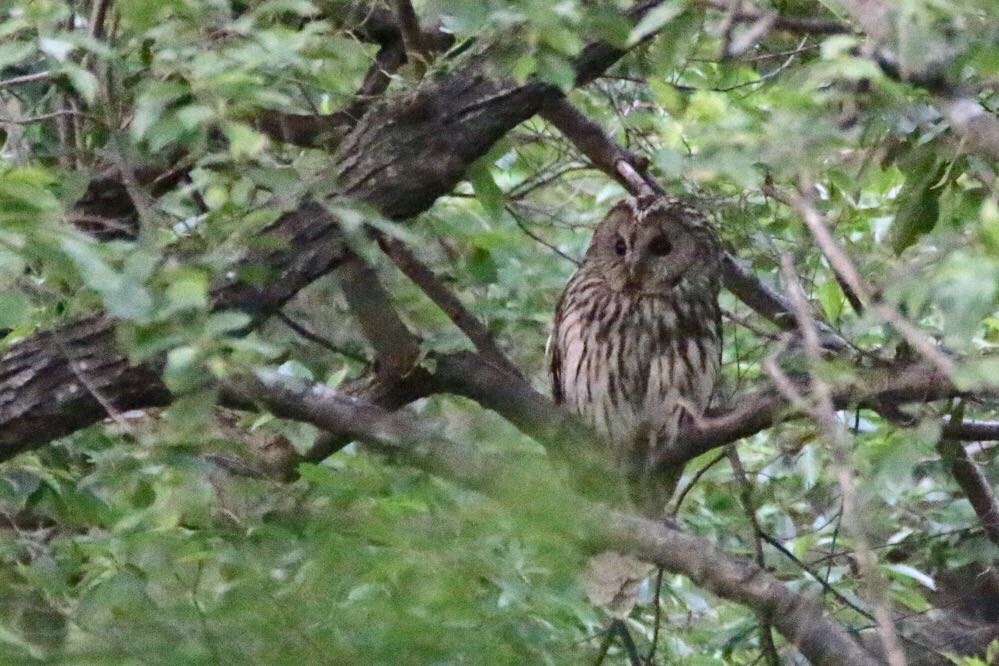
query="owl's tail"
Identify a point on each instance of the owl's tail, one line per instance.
(651, 493)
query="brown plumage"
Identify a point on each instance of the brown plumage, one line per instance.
(636, 344)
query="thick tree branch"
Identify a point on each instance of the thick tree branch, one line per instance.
(799, 619)
(896, 384)
(969, 430)
(41, 395)
(406, 152)
(468, 375)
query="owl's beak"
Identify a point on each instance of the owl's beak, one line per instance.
(635, 274)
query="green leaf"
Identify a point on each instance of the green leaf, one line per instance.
(142, 14)
(831, 298)
(919, 204)
(15, 309)
(13, 52)
(482, 267)
(188, 291)
(122, 297)
(220, 323)
(488, 192)
(84, 82)
(654, 20)
(244, 141)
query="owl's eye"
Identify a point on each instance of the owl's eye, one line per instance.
(660, 246)
(620, 247)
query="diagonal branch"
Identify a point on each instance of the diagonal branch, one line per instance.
(974, 484)
(41, 397)
(631, 171)
(898, 384)
(397, 349)
(823, 412)
(769, 649)
(799, 619)
(446, 300)
(843, 267)
(406, 152)
(971, 480)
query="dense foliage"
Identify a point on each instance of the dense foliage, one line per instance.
(143, 539)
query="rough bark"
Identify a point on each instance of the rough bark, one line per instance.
(66, 378)
(411, 149)
(403, 155)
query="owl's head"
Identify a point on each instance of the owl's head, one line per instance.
(649, 247)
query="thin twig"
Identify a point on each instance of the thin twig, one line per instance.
(318, 339)
(522, 225)
(746, 498)
(824, 414)
(43, 116)
(657, 620)
(697, 477)
(843, 266)
(28, 78)
(818, 578)
(424, 278)
(79, 370)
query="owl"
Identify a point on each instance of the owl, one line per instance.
(636, 344)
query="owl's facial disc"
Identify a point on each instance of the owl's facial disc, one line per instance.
(650, 258)
(649, 251)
